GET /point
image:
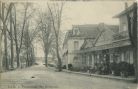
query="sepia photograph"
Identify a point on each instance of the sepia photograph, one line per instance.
(68, 44)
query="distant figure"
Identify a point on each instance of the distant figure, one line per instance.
(90, 70)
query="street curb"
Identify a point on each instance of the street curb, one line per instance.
(101, 76)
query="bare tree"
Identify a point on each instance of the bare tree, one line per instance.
(4, 18)
(13, 32)
(28, 42)
(19, 36)
(1, 37)
(11, 38)
(55, 11)
(46, 34)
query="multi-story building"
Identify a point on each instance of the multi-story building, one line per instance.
(105, 43)
(75, 39)
(112, 44)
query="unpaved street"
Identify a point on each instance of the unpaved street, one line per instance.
(40, 77)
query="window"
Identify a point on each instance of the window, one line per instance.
(76, 60)
(124, 27)
(75, 31)
(83, 59)
(127, 56)
(122, 56)
(90, 59)
(76, 45)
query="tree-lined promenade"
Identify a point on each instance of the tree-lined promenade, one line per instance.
(21, 25)
(16, 39)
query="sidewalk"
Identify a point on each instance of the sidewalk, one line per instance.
(128, 79)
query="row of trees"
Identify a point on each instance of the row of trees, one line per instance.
(50, 28)
(18, 32)
(16, 35)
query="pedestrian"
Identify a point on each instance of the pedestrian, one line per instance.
(90, 70)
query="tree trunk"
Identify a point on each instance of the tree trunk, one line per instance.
(58, 55)
(27, 47)
(18, 57)
(1, 36)
(11, 35)
(27, 56)
(5, 49)
(32, 59)
(27, 59)
(33, 55)
(5, 38)
(1, 52)
(46, 57)
(46, 64)
(16, 44)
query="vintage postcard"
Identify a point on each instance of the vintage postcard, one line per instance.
(68, 44)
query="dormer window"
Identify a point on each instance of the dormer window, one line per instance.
(75, 31)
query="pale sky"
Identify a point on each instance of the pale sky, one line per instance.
(92, 12)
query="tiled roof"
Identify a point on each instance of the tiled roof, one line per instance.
(89, 32)
(85, 31)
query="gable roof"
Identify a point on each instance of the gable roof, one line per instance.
(109, 29)
(88, 43)
(106, 36)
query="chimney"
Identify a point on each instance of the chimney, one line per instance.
(101, 26)
(126, 5)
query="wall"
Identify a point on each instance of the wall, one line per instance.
(71, 55)
(122, 21)
(71, 44)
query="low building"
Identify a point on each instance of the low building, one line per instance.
(93, 52)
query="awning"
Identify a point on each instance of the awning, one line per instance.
(120, 43)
